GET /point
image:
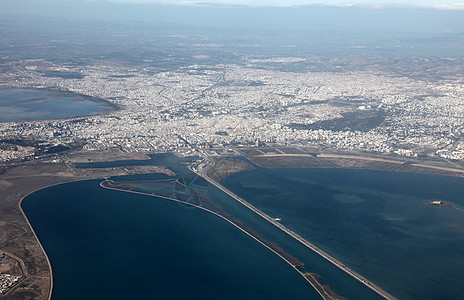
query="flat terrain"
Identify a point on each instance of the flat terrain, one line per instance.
(17, 181)
(225, 167)
(17, 239)
(16, 235)
(357, 162)
(101, 156)
(317, 157)
(284, 158)
(429, 169)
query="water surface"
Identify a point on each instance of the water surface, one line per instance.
(340, 282)
(106, 244)
(27, 104)
(376, 222)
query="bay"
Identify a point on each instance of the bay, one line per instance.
(337, 280)
(106, 244)
(376, 222)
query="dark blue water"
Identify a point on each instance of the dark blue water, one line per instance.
(23, 104)
(376, 222)
(106, 244)
(338, 280)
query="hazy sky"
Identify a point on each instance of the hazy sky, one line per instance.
(450, 4)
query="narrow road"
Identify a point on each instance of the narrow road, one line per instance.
(331, 259)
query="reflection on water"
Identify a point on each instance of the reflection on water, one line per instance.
(376, 222)
(188, 187)
(106, 244)
(23, 104)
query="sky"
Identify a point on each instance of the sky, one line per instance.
(443, 4)
(314, 17)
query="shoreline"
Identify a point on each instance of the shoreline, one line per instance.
(37, 268)
(108, 106)
(19, 180)
(58, 179)
(349, 160)
(35, 235)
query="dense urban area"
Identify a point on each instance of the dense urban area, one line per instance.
(204, 106)
(85, 85)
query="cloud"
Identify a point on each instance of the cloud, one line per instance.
(455, 6)
(368, 4)
(218, 4)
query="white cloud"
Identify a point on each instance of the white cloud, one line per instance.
(377, 4)
(455, 6)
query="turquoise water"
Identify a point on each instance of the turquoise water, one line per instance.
(106, 244)
(376, 222)
(23, 104)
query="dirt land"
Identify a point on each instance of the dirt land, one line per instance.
(107, 155)
(225, 167)
(359, 162)
(429, 169)
(288, 161)
(284, 158)
(17, 238)
(307, 158)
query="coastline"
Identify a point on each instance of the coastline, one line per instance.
(56, 177)
(17, 181)
(35, 235)
(109, 107)
(38, 270)
(276, 157)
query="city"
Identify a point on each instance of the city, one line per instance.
(217, 150)
(232, 106)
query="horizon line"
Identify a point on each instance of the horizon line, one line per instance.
(374, 6)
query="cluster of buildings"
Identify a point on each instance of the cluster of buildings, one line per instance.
(228, 106)
(7, 281)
